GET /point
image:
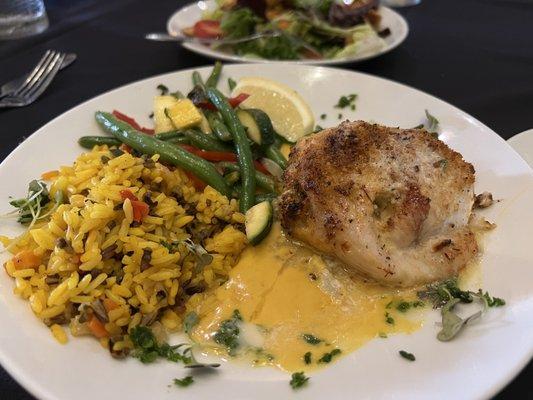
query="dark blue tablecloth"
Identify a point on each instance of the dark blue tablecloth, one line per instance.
(475, 54)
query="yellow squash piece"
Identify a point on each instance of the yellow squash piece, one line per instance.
(184, 114)
(162, 122)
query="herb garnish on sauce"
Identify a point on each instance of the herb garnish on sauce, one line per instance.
(327, 357)
(407, 356)
(184, 382)
(228, 333)
(311, 339)
(298, 379)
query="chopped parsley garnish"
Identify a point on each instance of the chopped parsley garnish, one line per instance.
(339, 116)
(492, 301)
(308, 357)
(388, 319)
(163, 89)
(187, 381)
(228, 333)
(190, 321)
(318, 128)
(446, 295)
(298, 379)
(382, 335)
(311, 339)
(231, 84)
(404, 306)
(327, 357)
(148, 350)
(432, 122)
(407, 356)
(347, 101)
(323, 116)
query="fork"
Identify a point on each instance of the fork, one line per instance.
(36, 82)
(180, 37)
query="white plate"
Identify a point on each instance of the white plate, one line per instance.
(188, 15)
(523, 144)
(475, 365)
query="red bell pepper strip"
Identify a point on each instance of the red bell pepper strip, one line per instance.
(131, 121)
(233, 101)
(221, 156)
(196, 182)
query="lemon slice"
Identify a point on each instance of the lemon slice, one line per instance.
(291, 116)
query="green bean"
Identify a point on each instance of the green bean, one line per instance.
(242, 146)
(168, 152)
(212, 81)
(179, 140)
(265, 197)
(206, 141)
(168, 135)
(219, 129)
(90, 141)
(263, 181)
(273, 152)
(197, 80)
(259, 197)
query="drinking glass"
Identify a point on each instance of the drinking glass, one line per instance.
(20, 18)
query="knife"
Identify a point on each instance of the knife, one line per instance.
(11, 86)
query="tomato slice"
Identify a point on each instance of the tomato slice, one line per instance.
(207, 29)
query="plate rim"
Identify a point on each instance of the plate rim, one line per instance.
(40, 391)
(213, 54)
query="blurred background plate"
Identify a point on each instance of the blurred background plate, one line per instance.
(190, 14)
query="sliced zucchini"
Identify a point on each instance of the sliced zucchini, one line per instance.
(258, 222)
(258, 126)
(252, 129)
(265, 125)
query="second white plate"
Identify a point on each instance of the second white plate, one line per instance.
(188, 15)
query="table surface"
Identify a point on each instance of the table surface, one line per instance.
(475, 54)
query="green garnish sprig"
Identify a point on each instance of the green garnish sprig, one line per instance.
(298, 380)
(36, 205)
(148, 350)
(446, 295)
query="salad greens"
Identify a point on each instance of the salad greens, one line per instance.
(306, 28)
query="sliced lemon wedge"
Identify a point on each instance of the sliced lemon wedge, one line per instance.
(291, 116)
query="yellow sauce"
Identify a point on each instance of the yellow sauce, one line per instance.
(287, 290)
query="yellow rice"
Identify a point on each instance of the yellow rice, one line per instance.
(95, 217)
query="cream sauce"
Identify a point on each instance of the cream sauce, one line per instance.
(284, 290)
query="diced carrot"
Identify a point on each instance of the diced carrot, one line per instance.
(125, 148)
(127, 194)
(97, 327)
(140, 210)
(109, 304)
(49, 175)
(26, 259)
